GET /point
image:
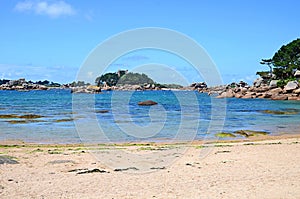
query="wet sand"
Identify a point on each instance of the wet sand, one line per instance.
(261, 167)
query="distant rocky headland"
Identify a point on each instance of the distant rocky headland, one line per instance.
(23, 85)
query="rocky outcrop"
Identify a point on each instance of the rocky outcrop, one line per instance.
(86, 89)
(261, 90)
(22, 85)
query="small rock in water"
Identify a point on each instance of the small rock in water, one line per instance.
(102, 111)
(147, 103)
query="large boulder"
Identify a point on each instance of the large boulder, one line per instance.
(292, 85)
(258, 82)
(147, 103)
(227, 94)
(276, 91)
(293, 98)
(297, 91)
(273, 84)
(247, 96)
(262, 89)
(279, 97)
(95, 89)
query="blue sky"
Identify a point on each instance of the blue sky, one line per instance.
(49, 39)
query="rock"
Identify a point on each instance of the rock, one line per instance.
(86, 171)
(293, 98)
(242, 84)
(96, 89)
(292, 85)
(238, 95)
(126, 169)
(148, 86)
(227, 94)
(258, 95)
(276, 91)
(252, 88)
(102, 111)
(297, 91)
(275, 112)
(147, 103)
(279, 97)
(273, 84)
(248, 133)
(42, 87)
(262, 89)
(267, 95)
(244, 90)
(258, 82)
(247, 96)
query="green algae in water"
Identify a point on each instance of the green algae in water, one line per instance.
(14, 116)
(9, 116)
(223, 135)
(24, 121)
(64, 120)
(30, 116)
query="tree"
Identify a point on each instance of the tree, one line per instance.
(135, 79)
(287, 59)
(110, 79)
(269, 63)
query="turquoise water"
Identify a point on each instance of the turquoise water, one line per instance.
(180, 115)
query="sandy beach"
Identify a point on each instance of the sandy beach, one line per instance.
(264, 168)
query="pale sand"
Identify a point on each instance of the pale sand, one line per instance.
(253, 169)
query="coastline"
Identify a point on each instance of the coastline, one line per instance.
(264, 167)
(269, 137)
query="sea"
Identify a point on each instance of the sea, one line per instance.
(57, 116)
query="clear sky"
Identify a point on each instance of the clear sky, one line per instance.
(50, 39)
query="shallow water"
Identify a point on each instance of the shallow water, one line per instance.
(116, 117)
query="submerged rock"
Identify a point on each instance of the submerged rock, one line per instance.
(248, 133)
(147, 103)
(102, 111)
(9, 116)
(280, 112)
(64, 120)
(30, 116)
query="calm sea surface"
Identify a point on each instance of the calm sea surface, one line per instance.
(116, 117)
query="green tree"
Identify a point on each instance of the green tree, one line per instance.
(110, 79)
(269, 63)
(135, 79)
(287, 59)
